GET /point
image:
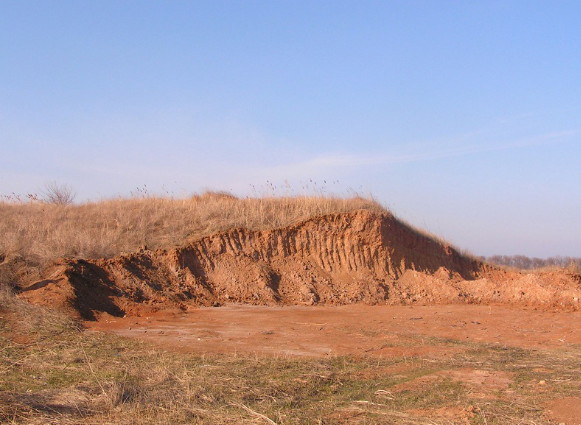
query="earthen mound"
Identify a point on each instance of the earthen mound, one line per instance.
(343, 258)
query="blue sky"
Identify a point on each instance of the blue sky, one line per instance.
(463, 117)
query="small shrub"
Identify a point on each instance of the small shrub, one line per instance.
(58, 194)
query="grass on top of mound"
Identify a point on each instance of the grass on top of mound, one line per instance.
(40, 232)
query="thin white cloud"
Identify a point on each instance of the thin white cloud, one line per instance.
(334, 161)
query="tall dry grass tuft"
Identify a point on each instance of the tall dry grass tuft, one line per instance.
(40, 232)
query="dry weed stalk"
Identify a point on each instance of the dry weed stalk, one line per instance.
(255, 413)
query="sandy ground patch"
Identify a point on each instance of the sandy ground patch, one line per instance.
(347, 330)
(565, 410)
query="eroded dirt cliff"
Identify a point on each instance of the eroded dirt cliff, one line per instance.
(335, 259)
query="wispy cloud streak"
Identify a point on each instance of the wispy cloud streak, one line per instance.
(355, 161)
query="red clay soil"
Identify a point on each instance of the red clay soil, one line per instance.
(318, 331)
(360, 257)
(418, 334)
(565, 410)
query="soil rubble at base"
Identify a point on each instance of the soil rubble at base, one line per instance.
(358, 257)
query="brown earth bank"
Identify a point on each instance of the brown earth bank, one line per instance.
(359, 257)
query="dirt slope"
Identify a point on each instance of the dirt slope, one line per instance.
(335, 259)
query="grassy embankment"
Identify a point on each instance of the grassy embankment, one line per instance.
(33, 234)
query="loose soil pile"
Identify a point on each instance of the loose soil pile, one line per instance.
(359, 257)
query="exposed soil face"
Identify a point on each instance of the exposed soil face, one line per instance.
(382, 331)
(360, 257)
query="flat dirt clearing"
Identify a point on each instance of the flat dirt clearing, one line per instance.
(509, 363)
(347, 330)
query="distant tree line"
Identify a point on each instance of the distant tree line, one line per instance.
(527, 263)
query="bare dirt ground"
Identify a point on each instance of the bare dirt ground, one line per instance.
(346, 330)
(424, 334)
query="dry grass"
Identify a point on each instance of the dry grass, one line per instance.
(40, 232)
